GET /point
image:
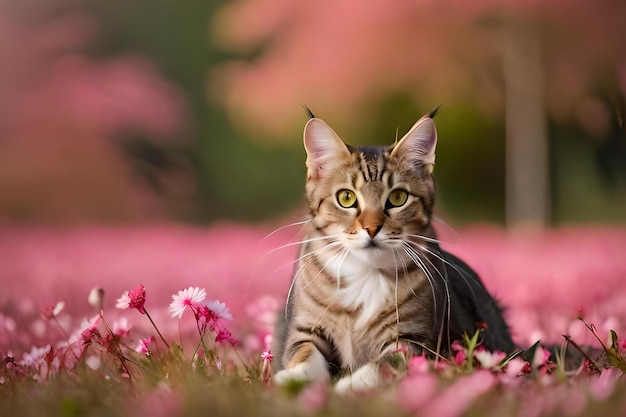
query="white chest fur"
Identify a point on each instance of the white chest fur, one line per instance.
(361, 286)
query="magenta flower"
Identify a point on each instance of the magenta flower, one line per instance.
(266, 367)
(190, 297)
(209, 315)
(205, 317)
(134, 299)
(223, 335)
(267, 355)
(459, 356)
(91, 330)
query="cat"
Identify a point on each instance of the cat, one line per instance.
(371, 279)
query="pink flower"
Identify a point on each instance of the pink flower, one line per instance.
(459, 358)
(52, 312)
(190, 297)
(602, 386)
(135, 299)
(223, 335)
(418, 365)
(417, 390)
(515, 368)
(36, 357)
(209, 314)
(91, 330)
(455, 400)
(457, 346)
(541, 356)
(121, 327)
(314, 397)
(143, 346)
(266, 368)
(267, 355)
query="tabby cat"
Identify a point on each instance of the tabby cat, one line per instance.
(371, 279)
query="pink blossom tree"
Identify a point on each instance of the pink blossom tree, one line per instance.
(530, 58)
(63, 113)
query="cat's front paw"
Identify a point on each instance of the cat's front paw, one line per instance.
(302, 373)
(363, 379)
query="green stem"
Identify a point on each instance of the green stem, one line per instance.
(156, 328)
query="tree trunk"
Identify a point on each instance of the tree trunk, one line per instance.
(527, 168)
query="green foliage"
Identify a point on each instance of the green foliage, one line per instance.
(616, 358)
(171, 384)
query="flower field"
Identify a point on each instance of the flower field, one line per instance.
(169, 321)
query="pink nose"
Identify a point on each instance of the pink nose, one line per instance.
(373, 230)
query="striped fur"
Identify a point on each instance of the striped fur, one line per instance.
(371, 278)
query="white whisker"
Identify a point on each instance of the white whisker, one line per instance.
(446, 225)
(395, 262)
(426, 238)
(305, 265)
(331, 260)
(300, 223)
(464, 274)
(313, 239)
(415, 256)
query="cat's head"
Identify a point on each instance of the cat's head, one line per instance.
(370, 198)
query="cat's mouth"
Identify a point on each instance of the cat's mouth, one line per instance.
(371, 244)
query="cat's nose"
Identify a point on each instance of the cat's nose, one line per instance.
(373, 230)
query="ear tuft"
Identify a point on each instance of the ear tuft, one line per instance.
(323, 147)
(417, 147)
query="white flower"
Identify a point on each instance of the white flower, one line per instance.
(219, 309)
(191, 297)
(123, 302)
(489, 360)
(121, 327)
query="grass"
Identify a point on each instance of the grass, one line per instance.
(97, 372)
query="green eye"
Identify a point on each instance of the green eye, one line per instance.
(346, 198)
(397, 198)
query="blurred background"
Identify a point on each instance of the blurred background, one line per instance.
(190, 111)
(160, 141)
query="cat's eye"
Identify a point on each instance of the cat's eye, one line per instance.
(397, 198)
(346, 198)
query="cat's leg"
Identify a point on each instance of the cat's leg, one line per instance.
(390, 366)
(306, 364)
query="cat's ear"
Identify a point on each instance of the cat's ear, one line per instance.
(417, 147)
(323, 147)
